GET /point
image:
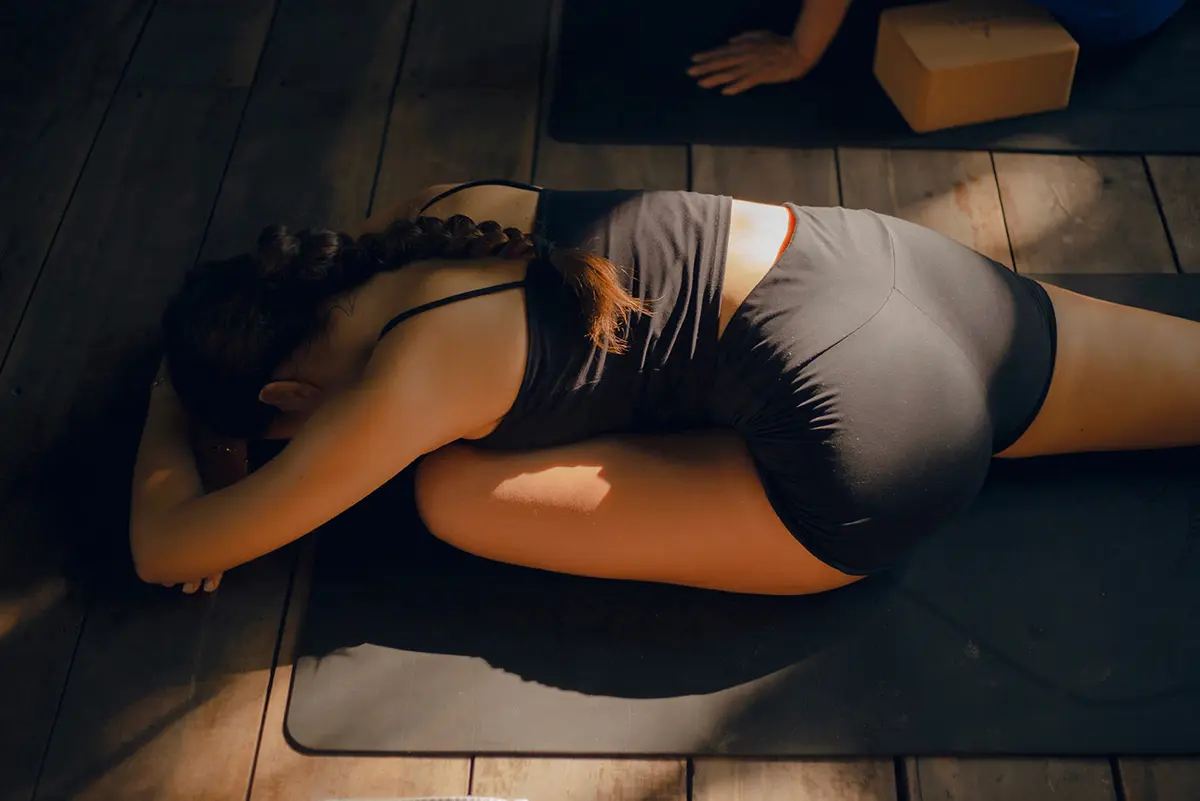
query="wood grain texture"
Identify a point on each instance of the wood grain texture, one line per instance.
(284, 774)
(569, 166)
(335, 45)
(304, 158)
(954, 193)
(185, 680)
(201, 43)
(1177, 181)
(71, 392)
(466, 100)
(767, 175)
(1160, 779)
(308, 150)
(946, 779)
(166, 694)
(794, 780)
(58, 73)
(57, 81)
(1081, 214)
(581, 779)
(40, 619)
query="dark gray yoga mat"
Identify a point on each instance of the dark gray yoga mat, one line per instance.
(1061, 615)
(620, 79)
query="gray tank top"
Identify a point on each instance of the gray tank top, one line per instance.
(670, 248)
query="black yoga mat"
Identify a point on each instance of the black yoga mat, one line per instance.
(620, 79)
(1061, 615)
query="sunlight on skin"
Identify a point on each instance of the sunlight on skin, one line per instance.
(570, 488)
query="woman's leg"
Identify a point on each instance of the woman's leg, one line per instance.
(685, 509)
(1124, 379)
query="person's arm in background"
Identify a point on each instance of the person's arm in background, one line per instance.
(760, 57)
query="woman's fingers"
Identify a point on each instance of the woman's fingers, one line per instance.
(751, 36)
(728, 76)
(704, 76)
(748, 60)
(729, 65)
(732, 48)
(739, 42)
(718, 59)
(209, 584)
(741, 85)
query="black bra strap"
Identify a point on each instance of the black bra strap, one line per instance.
(470, 184)
(424, 307)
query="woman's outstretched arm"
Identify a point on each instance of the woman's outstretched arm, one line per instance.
(177, 532)
(413, 398)
(177, 460)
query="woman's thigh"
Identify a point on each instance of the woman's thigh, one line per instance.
(684, 509)
(1124, 379)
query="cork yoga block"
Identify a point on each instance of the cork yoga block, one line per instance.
(960, 62)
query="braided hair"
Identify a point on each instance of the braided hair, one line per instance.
(234, 321)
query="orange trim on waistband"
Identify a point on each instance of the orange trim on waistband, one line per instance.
(787, 240)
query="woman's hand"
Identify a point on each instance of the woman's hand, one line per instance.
(761, 57)
(749, 60)
(209, 584)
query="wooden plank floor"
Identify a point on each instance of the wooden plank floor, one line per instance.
(153, 132)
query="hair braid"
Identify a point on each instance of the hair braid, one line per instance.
(234, 321)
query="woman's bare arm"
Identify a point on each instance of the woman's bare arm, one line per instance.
(178, 460)
(415, 397)
(166, 473)
(816, 28)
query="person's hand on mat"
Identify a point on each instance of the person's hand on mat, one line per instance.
(748, 60)
(762, 57)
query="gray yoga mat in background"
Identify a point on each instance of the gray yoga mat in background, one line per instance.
(620, 79)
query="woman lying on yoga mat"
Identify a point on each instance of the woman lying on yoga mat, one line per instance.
(756, 58)
(685, 388)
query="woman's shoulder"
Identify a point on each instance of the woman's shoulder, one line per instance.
(461, 332)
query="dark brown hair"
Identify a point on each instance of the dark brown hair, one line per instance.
(234, 321)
